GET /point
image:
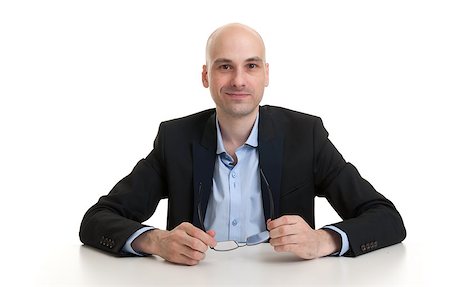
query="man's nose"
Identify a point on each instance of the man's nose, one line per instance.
(238, 79)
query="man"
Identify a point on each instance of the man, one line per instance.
(239, 169)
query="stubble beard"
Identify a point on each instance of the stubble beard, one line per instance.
(237, 108)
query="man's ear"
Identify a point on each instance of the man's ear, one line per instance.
(205, 77)
(267, 75)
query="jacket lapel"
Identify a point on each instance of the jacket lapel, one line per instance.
(204, 158)
(270, 160)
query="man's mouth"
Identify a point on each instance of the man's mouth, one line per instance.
(237, 94)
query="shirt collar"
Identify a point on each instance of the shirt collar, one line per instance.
(252, 139)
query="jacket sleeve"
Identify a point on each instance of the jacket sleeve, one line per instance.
(370, 220)
(116, 216)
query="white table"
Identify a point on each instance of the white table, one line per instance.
(259, 265)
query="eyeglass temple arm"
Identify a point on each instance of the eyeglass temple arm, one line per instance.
(199, 211)
(270, 193)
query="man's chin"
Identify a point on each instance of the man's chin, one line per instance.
(241, 112)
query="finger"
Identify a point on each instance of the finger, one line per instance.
(284, 240)
(190, 262)
(195, 244)
(180, 235)
(196, 238)
(211, 233)
(183, 259)
(283, 220)
(175, 252)
(283, 230)
(192, 254)
(284, 248)
(200, 235)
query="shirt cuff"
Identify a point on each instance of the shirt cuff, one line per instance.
(345, 246)
(127, 247)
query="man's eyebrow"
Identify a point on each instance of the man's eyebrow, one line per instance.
(226, 61)
(254, 59)
(222, 60)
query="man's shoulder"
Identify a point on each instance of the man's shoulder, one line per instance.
(295, 124)
(201, 116)
(188, 125)
(281, 113)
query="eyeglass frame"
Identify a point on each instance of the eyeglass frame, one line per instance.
(238, 244)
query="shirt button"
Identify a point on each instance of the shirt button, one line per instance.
(233, 174)
(234, 222)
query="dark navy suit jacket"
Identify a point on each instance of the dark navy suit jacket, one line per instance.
(295, 155)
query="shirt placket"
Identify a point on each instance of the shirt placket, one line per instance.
(235, 203)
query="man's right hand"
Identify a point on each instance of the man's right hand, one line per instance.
(185, 244)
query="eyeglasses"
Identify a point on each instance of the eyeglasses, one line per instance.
(251, 240)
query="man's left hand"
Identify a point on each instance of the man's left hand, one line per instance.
(290, 233)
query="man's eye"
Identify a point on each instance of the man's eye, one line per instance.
(225, 67)
(252, 66)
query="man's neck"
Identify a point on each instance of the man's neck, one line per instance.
(235, 130)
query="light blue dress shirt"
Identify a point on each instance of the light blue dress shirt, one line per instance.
(235, 207)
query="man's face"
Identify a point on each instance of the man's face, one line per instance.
(236, 72)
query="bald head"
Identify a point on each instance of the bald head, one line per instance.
(236, 71)
(229, 38)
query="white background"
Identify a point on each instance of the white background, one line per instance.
(85, 84)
